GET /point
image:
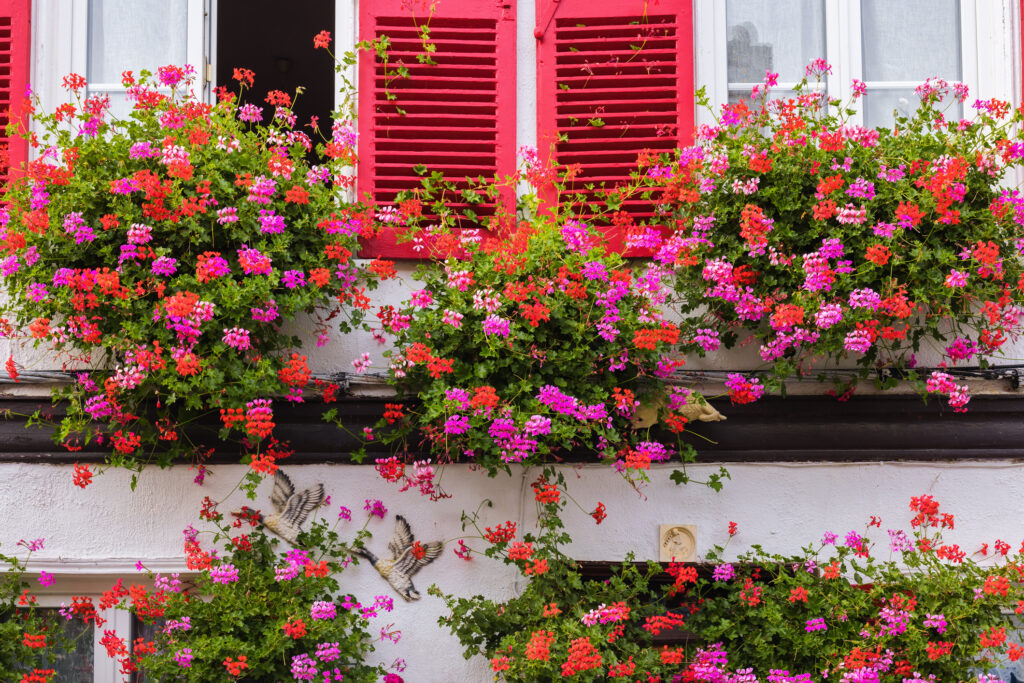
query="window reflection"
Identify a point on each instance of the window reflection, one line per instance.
(76, 663)
(781, 36)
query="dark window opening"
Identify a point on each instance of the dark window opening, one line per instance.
(149, 633)
(591, 570)
(275, 40)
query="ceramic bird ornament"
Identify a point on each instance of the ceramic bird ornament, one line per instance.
(408, 556)
(291, 509)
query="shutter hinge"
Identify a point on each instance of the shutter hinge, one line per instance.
(542, 26)
(208, 72)
(506, 10)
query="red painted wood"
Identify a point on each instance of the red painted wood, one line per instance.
(460, 114)
(627, 63)
(15, 65)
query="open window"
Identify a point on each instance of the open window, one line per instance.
(215, 37)
(275, 40)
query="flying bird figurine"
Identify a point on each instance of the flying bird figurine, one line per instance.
(408, 556)
(292, 509)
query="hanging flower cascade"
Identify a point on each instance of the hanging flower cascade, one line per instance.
(532, 342)
(164, 252)
(889, 606)
(251, 608)
(819, 239)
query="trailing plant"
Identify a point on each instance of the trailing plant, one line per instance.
(561, 625)
(529, 342)
(171, 257)
(819, 240)
(833, 612)
(838, 609)
(30, 638)
(254, 611)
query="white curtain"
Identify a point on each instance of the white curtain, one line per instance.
(781, 36)
(909, 40)
(133, 35)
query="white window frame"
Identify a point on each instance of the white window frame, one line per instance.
(990, 50)
(197, 43)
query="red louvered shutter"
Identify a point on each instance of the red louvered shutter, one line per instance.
(15, 42)
(459, 114)
(614, 77)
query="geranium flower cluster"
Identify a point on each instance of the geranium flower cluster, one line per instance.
(165, 249)
(32, 637)
(919, 611)
(534, 341)
(925, 612)
(818, 239)
(300, 634)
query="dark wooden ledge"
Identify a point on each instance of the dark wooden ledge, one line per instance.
(791, 429)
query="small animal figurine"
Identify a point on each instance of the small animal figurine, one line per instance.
(405, 559)
(292, 508)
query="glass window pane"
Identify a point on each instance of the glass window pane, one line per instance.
(773, 35)
(879, 106)
(135, 34)
(911, 40)
(147, 632)
(77, 663)
(120, 107)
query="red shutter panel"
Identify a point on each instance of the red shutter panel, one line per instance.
(459, 114)
(626, 64)
(15, 41)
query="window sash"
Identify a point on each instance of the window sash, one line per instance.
(197, 45)
(844, 50)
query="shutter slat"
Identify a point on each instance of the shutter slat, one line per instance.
(570, 58)
(445, 121)
(414, 147)
(452, 86)
(418, 132)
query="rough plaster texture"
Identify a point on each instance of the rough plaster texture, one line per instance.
(102, 531)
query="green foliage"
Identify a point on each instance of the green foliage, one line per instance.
(836, 609)
(531, 341)
(928, 609)
(533, 636)
(29, 637)
(247, 601)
